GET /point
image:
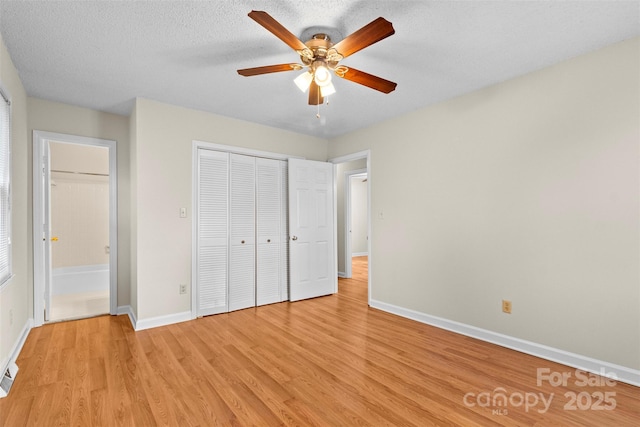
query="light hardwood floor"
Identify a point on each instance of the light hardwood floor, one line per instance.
(329, 361)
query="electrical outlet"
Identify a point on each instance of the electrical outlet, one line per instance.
(506, 306)
(183, 289)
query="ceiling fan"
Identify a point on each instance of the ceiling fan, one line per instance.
(320, 56)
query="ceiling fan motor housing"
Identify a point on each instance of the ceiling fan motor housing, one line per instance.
(320, 48)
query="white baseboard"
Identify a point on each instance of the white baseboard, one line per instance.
(588, 364)
(17, 346)
(342, 274)
(169, 319)
(355, 254)
(126, 309)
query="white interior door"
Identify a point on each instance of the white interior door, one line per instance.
(312, 268)
(212, 225)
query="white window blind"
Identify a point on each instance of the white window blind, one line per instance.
(5, 193)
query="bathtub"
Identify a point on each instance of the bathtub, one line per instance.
(84, 278)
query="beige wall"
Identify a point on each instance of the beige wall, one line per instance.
(62, 118)
(79, 205)
(527, 190)
(163, 152)
(76, 158)
(79, 220)
(16, 299)
(133, 209)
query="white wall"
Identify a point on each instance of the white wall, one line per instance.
(527, 190)
(62, 118)
(16, 296)
(359, 226)
(163, 184)
(341, 168)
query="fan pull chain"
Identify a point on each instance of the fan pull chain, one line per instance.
(318, 105)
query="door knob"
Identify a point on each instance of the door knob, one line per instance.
(268, 240)
(294, 237)
(242, 242)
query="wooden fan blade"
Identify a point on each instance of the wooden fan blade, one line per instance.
(247, 72)
(314, 94)
(371, 33)
(368, 80)
(264, 19)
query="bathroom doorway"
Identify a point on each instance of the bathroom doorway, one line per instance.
(79, 210)
(75, 228)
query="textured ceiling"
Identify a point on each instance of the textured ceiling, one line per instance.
(104, 54)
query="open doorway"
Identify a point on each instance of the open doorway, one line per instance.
(79, 212)
(355, 218)
(75, 227)
(353, 224)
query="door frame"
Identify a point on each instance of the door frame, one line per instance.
(203, 145)
(348, 158)
(41, 237)
(347, 218)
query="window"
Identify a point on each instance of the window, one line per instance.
(5, 187)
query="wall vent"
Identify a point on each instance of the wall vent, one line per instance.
(7, 379)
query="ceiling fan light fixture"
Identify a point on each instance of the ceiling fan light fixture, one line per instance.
(321, 57)
(303, 81)
(327, 90)
(322, 75)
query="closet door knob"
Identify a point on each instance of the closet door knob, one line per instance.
(268, 240)
(294, 237)
(242, 242)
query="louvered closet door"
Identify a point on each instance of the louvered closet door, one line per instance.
(212, 225)
(284, 232)
(242, 177)
(268, 231)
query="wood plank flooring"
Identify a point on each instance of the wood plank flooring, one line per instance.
(329, 361)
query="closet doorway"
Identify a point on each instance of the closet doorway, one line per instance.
(263, 230)
(74, 227)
